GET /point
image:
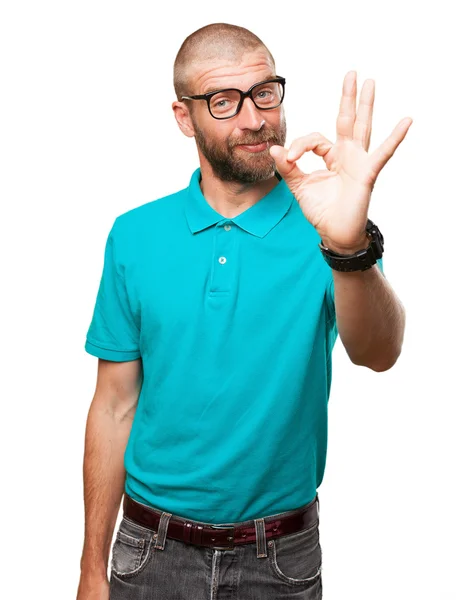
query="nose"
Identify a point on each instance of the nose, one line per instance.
(249, 116)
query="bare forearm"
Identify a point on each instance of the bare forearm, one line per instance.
(106, 438)
(370, 318)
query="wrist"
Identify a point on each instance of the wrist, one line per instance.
(93, 577)
(361, 244)
(92, 569)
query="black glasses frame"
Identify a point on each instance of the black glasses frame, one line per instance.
(243, 95)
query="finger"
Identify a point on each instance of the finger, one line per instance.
(289, 171)
(363, 123)
(347, 109)
(380, 156)
(316, 142)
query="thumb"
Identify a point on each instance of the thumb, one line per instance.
(289, 170)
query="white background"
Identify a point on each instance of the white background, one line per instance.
(87, 132)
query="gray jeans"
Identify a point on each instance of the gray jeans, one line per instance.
(180, 571)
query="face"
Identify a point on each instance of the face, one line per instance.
(219, 140)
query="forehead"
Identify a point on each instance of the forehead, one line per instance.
(214, 74)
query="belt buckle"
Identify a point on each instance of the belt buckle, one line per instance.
(232, 537)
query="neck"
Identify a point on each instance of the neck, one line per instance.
(230, 198)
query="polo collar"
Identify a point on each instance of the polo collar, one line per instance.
(258, 219)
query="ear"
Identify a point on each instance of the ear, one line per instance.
(183, 118)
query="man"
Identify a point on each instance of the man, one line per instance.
(229, 295)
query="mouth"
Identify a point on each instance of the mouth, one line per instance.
(254, 147)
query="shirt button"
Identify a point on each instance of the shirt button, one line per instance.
(227, 227)
(222, 260)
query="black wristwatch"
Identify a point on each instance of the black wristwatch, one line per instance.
(361, 260)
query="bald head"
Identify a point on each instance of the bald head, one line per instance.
(214, 42)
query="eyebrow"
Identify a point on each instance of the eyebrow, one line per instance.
(216, 89)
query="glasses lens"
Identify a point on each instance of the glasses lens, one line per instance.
(268, 95)
(224, 104)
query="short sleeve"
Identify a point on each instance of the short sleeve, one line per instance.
(330, 292)
(113, 333)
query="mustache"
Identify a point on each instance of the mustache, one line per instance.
(252, 142)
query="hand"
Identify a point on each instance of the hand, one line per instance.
(336, 200)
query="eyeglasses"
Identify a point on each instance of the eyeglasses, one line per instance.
(226, 103)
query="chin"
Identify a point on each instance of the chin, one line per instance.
(255, 177)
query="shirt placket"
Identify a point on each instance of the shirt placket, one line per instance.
(223, 257)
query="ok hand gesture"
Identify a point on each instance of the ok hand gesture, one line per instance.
(336, 200)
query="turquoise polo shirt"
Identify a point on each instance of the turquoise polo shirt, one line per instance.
(234, 320)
